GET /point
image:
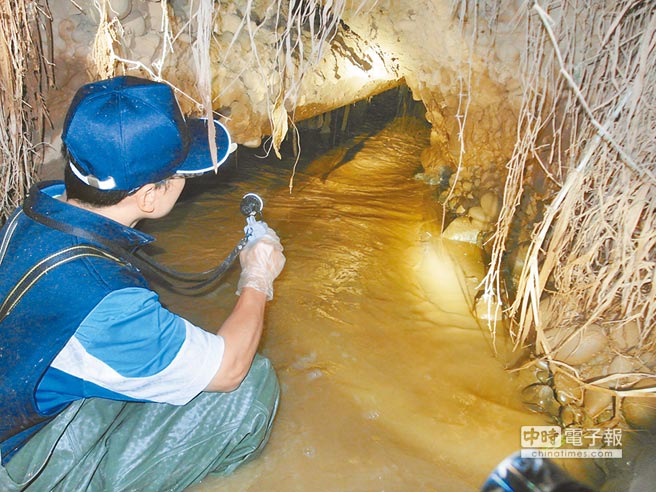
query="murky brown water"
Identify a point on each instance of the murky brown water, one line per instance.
(388, 383)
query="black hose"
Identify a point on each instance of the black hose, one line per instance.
(197, 283)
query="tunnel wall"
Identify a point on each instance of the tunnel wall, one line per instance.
(375, 46)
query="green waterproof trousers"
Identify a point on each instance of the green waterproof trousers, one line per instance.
(106, 445)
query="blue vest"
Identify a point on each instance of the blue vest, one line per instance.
(46, 317)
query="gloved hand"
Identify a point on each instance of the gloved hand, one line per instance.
(261, 262)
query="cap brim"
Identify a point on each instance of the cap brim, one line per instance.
(199, 158)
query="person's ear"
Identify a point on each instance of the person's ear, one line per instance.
(146, 198)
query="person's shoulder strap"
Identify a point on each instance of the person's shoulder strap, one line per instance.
(44, 266)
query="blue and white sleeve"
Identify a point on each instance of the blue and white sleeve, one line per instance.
(131, 345)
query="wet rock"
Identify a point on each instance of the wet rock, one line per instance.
(252, 143)
(135, 25)
(462, 229)
(478, 214)
(541, 398)
(436, 137)
(120, 8)
(554, 335)
(648, 358)
(432, 160)
(625, 336)
(570, 415)
(592, 371)
(231, 23)
(251, 81)
(568, 390)
(149, 43)
(78, 36)
(640, 411)
(596, 401)
(607, 415)
(438, 174)
(518, 259)
(491, 205)
(66, 29)
(431, 180)
(582, 346)
(622, 364)
(544, 376)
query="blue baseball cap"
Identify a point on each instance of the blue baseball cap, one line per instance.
(125, 132)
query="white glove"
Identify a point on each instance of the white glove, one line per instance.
(261, 262)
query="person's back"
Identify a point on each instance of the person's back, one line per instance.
(89, 356)
(50, 282)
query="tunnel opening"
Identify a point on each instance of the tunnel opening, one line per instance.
(360, 118)
(346, 126)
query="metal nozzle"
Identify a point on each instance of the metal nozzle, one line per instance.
(251, 204)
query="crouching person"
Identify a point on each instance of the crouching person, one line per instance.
(103, 388)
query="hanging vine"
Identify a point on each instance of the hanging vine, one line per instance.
(26, 72)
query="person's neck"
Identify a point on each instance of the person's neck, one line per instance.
(121, 212)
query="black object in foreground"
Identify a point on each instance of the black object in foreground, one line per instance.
(517, 474)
